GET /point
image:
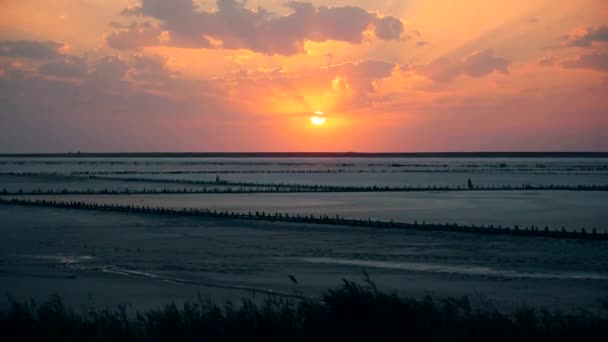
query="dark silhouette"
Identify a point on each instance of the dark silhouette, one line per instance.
(351, 312)
(470, 184)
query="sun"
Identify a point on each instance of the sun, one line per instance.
(318, 119)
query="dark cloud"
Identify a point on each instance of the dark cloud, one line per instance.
(483, 63)
(588, 36)
(592, 61)
(388, 28)
(152, 69)
(69, 66)
(478, 64)
(30, 49)
(110, 68)
(233, 26)
(134, 37)
(102, 109)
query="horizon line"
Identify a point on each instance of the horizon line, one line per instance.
(480, 154)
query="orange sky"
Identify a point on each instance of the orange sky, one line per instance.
(230, 75)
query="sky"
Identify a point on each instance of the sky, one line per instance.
(235, 75)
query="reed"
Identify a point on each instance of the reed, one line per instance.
(352, 312)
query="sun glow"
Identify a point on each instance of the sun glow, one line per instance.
(318, 119)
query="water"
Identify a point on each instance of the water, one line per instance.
(106, 258)
(529, 165)
(570, 209)
(146, 260)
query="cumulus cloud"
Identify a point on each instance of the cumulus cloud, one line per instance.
(476, 65)
(233, 26)
(592, 61)
(30, 49)
(588, 36)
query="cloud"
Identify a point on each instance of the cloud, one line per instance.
(345, 86)
(30, 49)
(134, 37)
(361, 76)
(388, 28)
(151, 68)
(110, 68)
(546, 61)
(139, 103)
(233, 26)
(476, 65)
(483, 63)
(441, 69)
(69, 67)
(100, 109)
(592, 61)
(586, 37)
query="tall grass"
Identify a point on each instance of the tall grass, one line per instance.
(351, 312)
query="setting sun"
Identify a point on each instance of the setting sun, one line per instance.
(318, 119)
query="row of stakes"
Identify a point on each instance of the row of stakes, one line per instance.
(237, 187)
(531, 231)
(324, 164)
(340, 170)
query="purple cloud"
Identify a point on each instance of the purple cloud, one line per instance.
(30, 49)
(69, 67)
(588, 36)
(233, 26)
(592, 61)
(477, 65)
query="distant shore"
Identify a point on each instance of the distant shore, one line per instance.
(311, 155)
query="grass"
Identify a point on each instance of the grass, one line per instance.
(351, 312)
